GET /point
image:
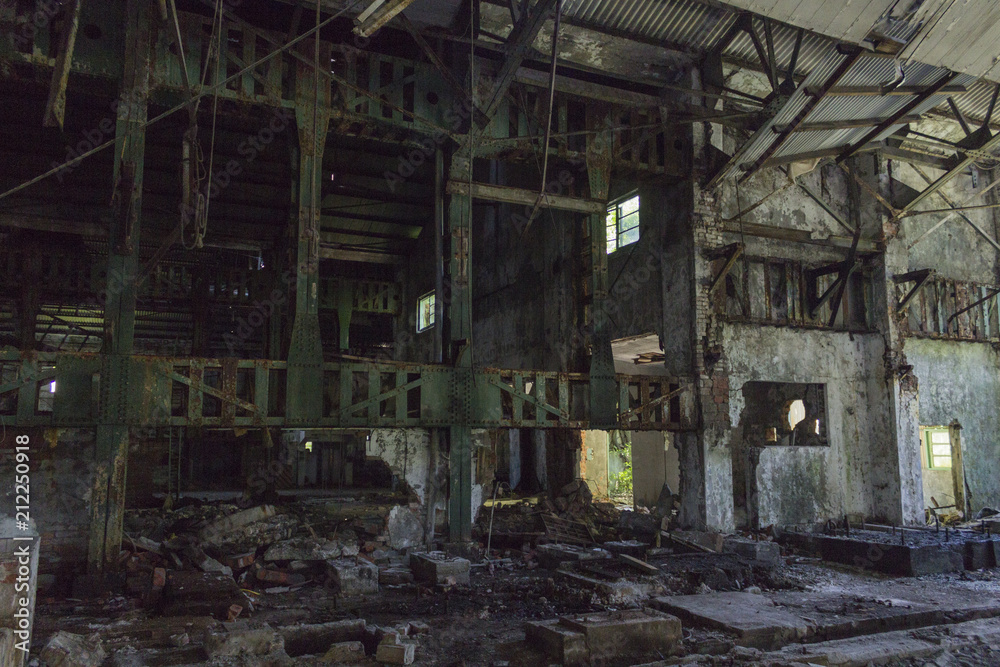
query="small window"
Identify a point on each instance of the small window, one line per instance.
(623, 222)
(425, 312)
(938, 444)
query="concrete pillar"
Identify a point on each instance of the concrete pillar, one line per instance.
(895, 448)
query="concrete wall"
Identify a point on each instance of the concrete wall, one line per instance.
(804, 484)
(654, 461)
(410, 453)
(961, 380)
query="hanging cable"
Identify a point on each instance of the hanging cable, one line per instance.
(472, 157)
(169, 112)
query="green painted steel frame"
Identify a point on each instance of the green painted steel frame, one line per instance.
(241, 393)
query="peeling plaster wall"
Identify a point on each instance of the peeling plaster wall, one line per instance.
(408, 454)
(961, 380)
(803, 484)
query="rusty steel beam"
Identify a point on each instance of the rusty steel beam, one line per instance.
(55, 108)
(875, 91)
(369, 23)
(519, 43)
(902, 112)
(508, 195)
(840, 124)
(967, 160)
(849, 59)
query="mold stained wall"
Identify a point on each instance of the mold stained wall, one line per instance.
(806, 484)
(959, 379)
(410, 455)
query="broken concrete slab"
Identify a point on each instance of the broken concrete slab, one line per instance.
(619, 635)
(66, 649)
(405, 528)
(345, 653)
(394, 651)
(550, 556)
(395, 576)
(353, 577)
(755, 619)
(764, 552)
(633, 548)
(243, 638)
(892, 647)
(773, 619)
(558, 641)
(245, 531)
(437, 567)
(304, 549)
(316, 638)
(220, 529)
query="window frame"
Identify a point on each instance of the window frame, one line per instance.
(433, 320)
(929, 448)
(615, 207)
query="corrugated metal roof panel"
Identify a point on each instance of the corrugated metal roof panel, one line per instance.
(849, 21)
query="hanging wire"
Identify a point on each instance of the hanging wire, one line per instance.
(201, 220)
(182, 105)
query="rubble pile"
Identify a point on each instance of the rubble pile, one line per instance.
(215, 558)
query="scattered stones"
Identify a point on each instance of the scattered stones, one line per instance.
(598, 637)
(437, 567)
(394, 651)
(66, 649)
(353, 577)
(345, 653)
(405, 529)
(304, 549)
(241, 638)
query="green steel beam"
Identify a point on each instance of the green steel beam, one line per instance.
(304, 393)
(602, 365)
(108, 497)
(458, 318)
(361, 394)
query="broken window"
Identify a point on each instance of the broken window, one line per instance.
(425, 312)
(785, 413)
(766, 290)
(623, 222)
(938, 445)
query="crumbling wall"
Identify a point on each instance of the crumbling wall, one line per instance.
(960, 380)
(803, 484)
(414, 457)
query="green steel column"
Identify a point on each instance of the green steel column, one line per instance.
(459, 321)
(108, 497)
(305, 351)
(603, 386)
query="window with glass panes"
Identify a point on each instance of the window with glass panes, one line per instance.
(938, 444)
(425, 312)
(623, 222)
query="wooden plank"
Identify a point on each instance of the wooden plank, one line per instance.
(360, 256)
(509, 195)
